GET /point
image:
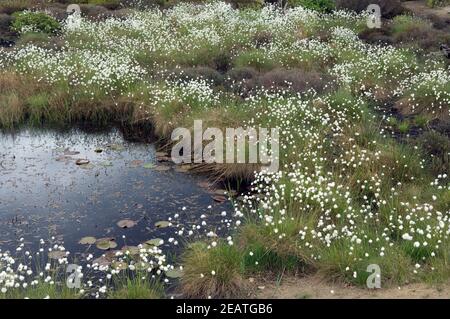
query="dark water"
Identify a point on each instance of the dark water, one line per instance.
(44, 194)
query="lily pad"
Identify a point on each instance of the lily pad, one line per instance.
(205, 184)
(163, 158)
(126, 223)
(119, 265)
(220, 192)
(162, 224)
(102, 261)
(133, 250)
(183, 168)
(154, 242)
(106, 243)
(89, 240)
(161, 154)
(106, 163)
(162, 168)
(57, 254)
(174, 273)
(149, 165)
(63, 158)
(82, 161)
(68, 152)
(116, 147)
(136, 163)
(87, 166)
(219, 198)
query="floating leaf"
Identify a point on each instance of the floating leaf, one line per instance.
(63, 158)
(106, 163)
(162, 224)
(68, 152)
(219, 198)
(161, 154)
(162, 168)
(136, 163)
(119, 265)
(149, 165)
(183, 168)
(106, 243)
(102, 261)
(204, 184)
(174, 273)
(163, 158)
(87, 240)
(126, 223)
(116, 147)
(57, 254)
(87, 166)
(132, 250)
(220, 192)
(154, 242)
(82, 161)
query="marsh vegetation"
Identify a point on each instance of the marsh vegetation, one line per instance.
(364, 120)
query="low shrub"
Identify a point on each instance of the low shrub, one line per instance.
(35, 22)
(317, 5)
(437, 146)
(241, 73)
(109, 4)
(376, 36)
(5, 21)
(417, 32)
(437, 3)
(439, 22)
(256, 59)
(200, 72)
(246, 3)
(294, 80)
(389, 8)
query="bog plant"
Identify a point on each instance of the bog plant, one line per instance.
(351, 190)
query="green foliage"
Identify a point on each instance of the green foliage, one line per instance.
(36, 22)
(324, 6)
(403, 127)
(256, 59)
(437, 3)
(136, 286)
(215, 271)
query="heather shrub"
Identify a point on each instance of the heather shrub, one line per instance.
(200, 72)
(389, 8)
(294, 80)
(317, 5)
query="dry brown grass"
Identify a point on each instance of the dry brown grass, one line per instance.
(12, 109)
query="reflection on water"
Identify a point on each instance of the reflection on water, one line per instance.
(44, 193)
